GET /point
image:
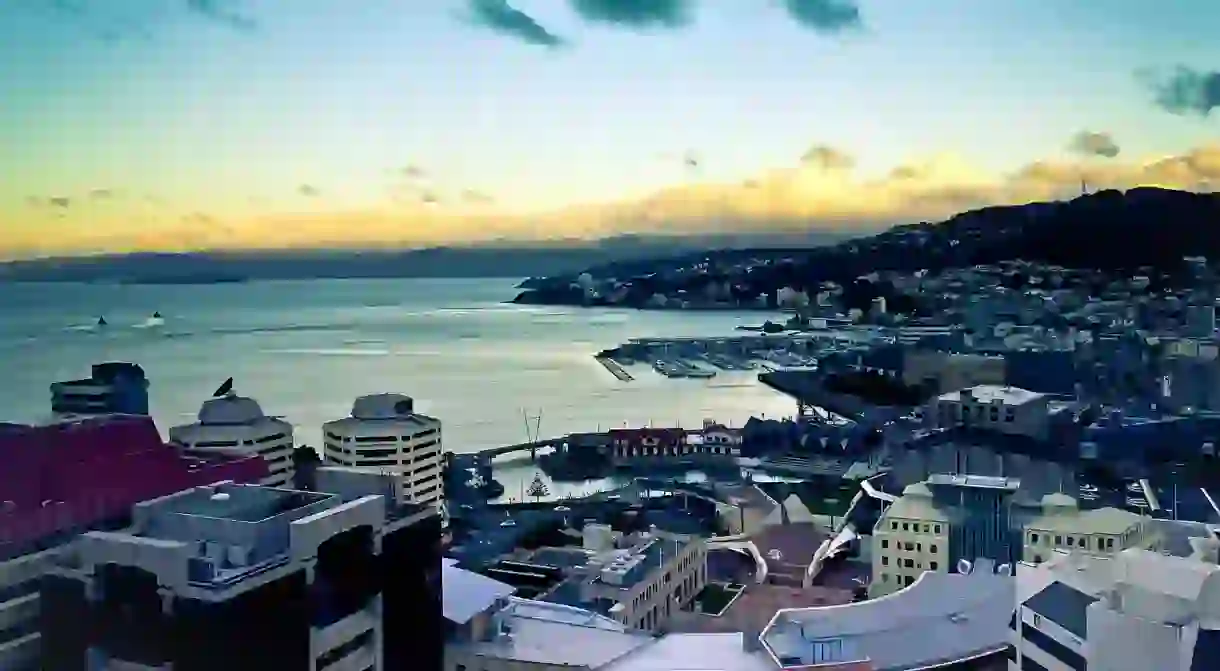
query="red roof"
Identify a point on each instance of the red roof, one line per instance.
(70, 476)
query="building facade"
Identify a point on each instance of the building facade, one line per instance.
(62, 480)
(1007, 410)
(113, 388)
(248, 577)
(236, 424)
(1134, 611)
(384, 433)
(950, 371)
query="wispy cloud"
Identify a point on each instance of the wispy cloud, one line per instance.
(825, 157)
(223, 12)
(503, 18)
(1185, 90)
(825, 16)
(1090, 143)
(102, 194)
(635, 14)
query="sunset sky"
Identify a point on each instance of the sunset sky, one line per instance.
(198, 124)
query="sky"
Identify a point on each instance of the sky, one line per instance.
(176, 125)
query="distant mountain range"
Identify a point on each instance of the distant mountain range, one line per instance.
(499, 259)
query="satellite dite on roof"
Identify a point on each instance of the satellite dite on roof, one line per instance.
(225, 389)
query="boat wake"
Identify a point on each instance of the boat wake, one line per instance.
(150, 323)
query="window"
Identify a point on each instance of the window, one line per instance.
(919, 547)
(885, 544)
(827, 651)
(936, 528)
(1083, 542)
(908, 563)
(932, 549)
(1058, 540)
(932, 566)
(885, 561)
(1033, 538)
(906, 527)
(894, 526)
(1037, 620)
(1109, 543)
(927, 528)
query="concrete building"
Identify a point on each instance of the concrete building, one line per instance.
(62, 480)
(941, 621)
(233, 423)
(234, 576)
(1135, 611)
(385, 433)
(1006, 410)
(491, 630)
(935, 524)
(951, 371)
(113, 388)
(639, 580)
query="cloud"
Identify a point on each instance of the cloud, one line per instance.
(413, 172)
(827, 158)
(501, 17)
(792, 198)
(309, 191)
(61, 202)
(221, 11)
(825, 16)
(102, 194)
(635, 14)
(1089, 143)
(1185, 90)
(476, 197)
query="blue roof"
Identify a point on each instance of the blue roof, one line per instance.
(467, 594)
(1207, 651)
(1063, 605)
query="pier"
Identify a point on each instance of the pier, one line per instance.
(616, 369)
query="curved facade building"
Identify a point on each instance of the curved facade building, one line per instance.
(386, 434)
(236, 424)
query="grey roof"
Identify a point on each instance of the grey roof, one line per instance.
(467, 593)
(942, 618)
(1065, 606)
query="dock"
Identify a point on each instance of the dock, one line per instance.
(616, 369)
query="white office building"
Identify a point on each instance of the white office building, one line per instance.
(236, 424)
(1136, 611)
(385, 433)
(995, 408)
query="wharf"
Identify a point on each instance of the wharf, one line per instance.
(616, 369)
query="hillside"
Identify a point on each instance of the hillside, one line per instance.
(1107, 230)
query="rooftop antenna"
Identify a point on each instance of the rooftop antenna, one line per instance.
(225, 389)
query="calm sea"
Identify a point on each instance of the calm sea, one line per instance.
(306, 349)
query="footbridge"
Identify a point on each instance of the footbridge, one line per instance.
(531, 447)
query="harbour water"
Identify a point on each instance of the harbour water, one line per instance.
(306, 349)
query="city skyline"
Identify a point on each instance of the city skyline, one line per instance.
(197, 124)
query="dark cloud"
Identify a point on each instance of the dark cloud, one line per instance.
(62, 202)
(826, 16)
(635, 14)
(223, 12)
(1185, 90)
(1090, 143)
(827, 158)
(102, 194)
(309, 190)
(500, 16)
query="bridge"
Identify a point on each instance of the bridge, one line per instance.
(532, 448)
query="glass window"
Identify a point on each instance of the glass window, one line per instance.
(933, 565)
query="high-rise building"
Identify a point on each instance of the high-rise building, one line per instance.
(113, 388)
(232, 423)
(345, 576)
(64, 479)
(384, 433)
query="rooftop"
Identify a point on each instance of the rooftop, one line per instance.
(988, 393)
(65, 478)
(1065, 606)
(694, 652)
(467, 593)
(555, 634)
(943, 617)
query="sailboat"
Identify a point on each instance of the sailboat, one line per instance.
(538, 488)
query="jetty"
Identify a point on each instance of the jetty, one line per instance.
(616, 369)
